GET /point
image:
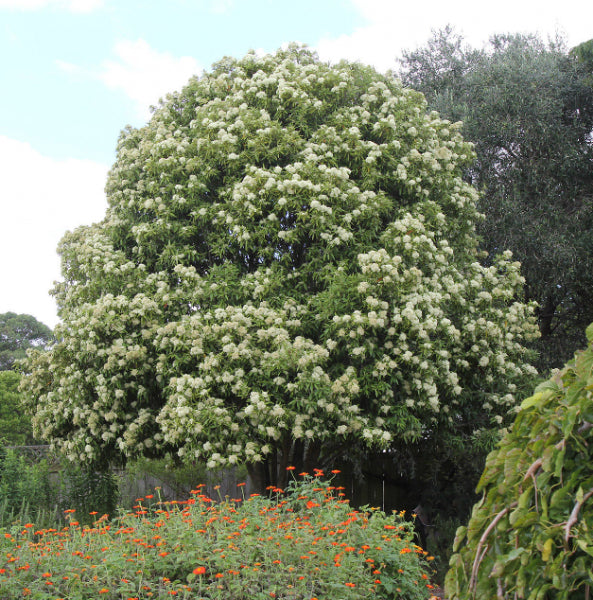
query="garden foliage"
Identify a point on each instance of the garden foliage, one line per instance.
(288, 268)
(25, 488)
(15, 424)
(531, 535)
(304, 544)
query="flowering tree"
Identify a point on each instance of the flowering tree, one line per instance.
(287, 268)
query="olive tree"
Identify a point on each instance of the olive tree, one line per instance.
(528, 107)
(287, 270)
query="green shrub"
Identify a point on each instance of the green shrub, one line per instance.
(15, 424)
(88, 490)
(531, 535)
(26, 492)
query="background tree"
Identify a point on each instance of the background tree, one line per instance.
(15, 425)
(528, 108)
(287, 270)
(17, 334)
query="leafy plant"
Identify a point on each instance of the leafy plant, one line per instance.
(15, 424)
(85, 489)
(302, 544)
(25, 487)
(531, 535)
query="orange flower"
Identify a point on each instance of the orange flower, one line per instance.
(103, 591)
(199, 571)
(350, 585)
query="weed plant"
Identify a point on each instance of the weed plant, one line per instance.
(304, 543)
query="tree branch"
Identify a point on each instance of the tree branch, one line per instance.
(478, 559)
(538, 463)
(574, 514)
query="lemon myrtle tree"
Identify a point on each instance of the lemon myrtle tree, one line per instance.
(287, 269)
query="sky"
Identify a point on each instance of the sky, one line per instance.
(74, 73)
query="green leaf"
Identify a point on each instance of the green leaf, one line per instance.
(580, 495)
(547, 549)
(531, 401)
(513, 555)
(559, 462)
(583, 545)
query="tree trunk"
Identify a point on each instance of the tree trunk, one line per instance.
(272, 472)
(546, 316)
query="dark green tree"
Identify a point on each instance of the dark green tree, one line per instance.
(19, 332)
(528, 108)
(15, 425)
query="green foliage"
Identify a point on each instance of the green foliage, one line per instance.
(28, 492)
(15, 424)
(531, 535)
(17, 334)
(528, 108)
(287, 270)
(303, 544)
(86, 490)
(25, 488)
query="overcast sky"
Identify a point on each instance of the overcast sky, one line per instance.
(76, 72)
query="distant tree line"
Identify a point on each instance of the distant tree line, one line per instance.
(18, 332)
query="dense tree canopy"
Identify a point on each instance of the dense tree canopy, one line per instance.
(17, 334)
(528, 108)
(15, 425)
(287, 270)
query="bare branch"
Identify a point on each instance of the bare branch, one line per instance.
(479, 557)
(574, 514)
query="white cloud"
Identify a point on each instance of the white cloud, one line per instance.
(76, 6)
(146, 75)
(392, 25)
(221, 6)
(41, 199)
(70, 68)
